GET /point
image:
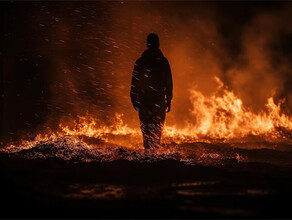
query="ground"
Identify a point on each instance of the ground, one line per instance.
(165, 188)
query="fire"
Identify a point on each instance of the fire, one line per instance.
(89, 126)
(219, 117)
(223, 116)
(28, 144)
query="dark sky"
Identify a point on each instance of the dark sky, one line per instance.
(63, 59)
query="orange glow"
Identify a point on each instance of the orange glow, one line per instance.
(89, 126)
(223, 116)
(220, 117)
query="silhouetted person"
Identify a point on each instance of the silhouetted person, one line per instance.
(151, 91)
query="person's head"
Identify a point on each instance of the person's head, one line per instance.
(153, 41)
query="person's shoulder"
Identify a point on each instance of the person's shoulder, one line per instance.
(165, 60)
(138, 62)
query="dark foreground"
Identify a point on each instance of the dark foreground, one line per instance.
(53, 188)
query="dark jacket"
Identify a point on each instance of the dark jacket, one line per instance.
(151, 81)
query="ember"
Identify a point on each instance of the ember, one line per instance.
(70, 138)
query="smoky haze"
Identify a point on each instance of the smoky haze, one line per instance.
(85, 54)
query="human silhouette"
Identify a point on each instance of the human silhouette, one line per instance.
(151, 91)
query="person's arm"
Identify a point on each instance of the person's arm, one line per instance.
(168, 86)
(134, 94)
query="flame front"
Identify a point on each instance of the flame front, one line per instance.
(220, 117)
(223, 116)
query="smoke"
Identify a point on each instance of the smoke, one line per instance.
(263, 68)
(92, 47)
(254, 59)
(100, 42)
(188, 38)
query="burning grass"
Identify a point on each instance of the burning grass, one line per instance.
(218, 119)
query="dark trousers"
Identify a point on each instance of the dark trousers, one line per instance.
(151, 123)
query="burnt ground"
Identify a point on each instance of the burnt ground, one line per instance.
(54, 188)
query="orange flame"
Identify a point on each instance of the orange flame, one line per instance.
(220, 117)
(224, 117)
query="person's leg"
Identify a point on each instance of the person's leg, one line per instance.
(151, 124)
(145, 128)
(146, 135)
(158, 127)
